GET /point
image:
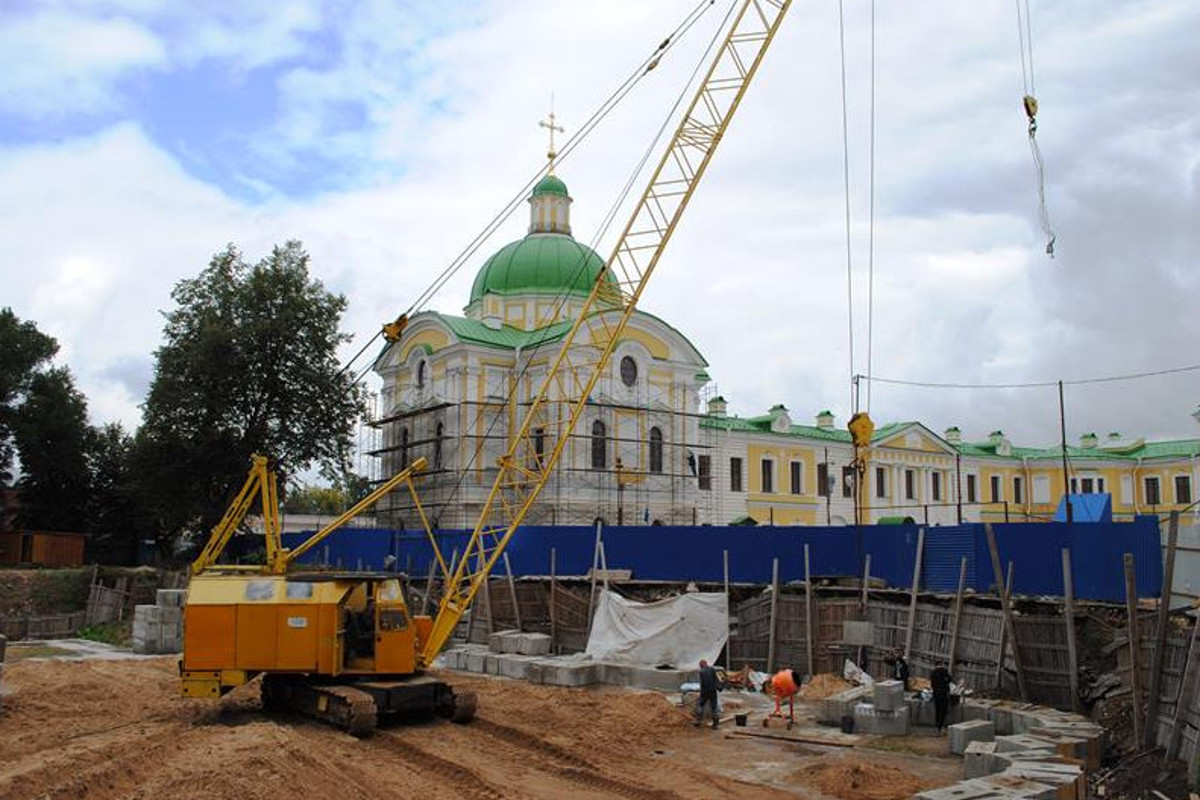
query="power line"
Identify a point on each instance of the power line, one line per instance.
(1032, 385)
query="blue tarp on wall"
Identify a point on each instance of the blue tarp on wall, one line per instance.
(696, 553)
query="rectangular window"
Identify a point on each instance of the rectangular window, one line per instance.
(823, 480)
(1041, 489)
(1018, 491)
(910, 485)
(798, 477)
(972, 491)
(1183, 489)
(881, 482)
(1074, 486)
(735, 474)
(1087, 485)
(1100, 485)
(847, 481)
(1153, 497)
(704, 465)
(768, 476)
(935, 486)
(997, 490)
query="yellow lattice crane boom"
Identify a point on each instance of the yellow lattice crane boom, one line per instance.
(587, 347)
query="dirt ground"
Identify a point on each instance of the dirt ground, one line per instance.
(112, 729)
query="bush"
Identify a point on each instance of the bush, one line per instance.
(114, 633)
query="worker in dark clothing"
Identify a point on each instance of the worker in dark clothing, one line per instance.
(710, 684)
(939, 681)
(899, 667)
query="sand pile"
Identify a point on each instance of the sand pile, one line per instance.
(858, 780)
(823, 685)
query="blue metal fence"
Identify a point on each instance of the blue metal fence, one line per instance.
(696, 553)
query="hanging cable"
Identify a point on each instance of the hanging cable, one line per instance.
(1030, 104)
(1035, 384)
(871, 226)
(846, 177)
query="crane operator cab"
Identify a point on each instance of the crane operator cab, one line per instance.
(338, 646)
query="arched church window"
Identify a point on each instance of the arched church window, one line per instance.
(421, 374)
(656, 450)
(629, 371)
(599, 445)
(437, 446)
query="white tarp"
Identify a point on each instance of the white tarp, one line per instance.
(677, 632)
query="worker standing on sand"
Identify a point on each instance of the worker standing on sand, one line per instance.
(939, 681)
(785, 684)
(709, 686)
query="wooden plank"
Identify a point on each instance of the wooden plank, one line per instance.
(595, 567)
(1160, 637)
(916, 586)
(1006, 607)
(958, 607)
(774, 614)
(1069, 619)
(810, 633)
(844, 740)
(512, 590)
(1187, 693)
(1135, 644)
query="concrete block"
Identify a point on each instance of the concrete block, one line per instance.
(967, 790)
(515, 666)
(1029, 717)
(1017, 786)
(613, 674)
(1071, 746)
(1094, 737)
(888, 695)
(147, 613)
(170, 614)
(565, 673)
(869, 719)
(972, 708)
(1017, 742)
(171, 598)
(170, 631)
(1002, 717)
(1069, 780)
(475, 662)
(834, 707)
(979, 759)
(491, 663)
(858, 632)
(532, 644)
(963, 733)
(502, 641)
(659, 680)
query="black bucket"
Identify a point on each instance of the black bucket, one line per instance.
(847, 724)
(740, 720)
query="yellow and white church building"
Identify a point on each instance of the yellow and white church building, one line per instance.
(655, 449)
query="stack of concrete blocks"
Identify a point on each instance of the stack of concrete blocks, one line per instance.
(159, 628)
(922, 712)
(887, 715)
(526, 644)
(842, 704)
(963, 733)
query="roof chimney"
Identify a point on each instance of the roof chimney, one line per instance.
(1000, 442)
(825, 420)
(717, 406)
(954, 435)
(1088, 441)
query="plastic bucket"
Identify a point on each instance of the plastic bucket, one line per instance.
(847, 724)
(740, 720)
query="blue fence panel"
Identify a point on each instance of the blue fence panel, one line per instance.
(695, 553)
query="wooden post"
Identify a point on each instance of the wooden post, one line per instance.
(512, 591)
(428, 586)
(774, 614)
(595, 567)
(810, 633)
(912, 602)
(956, 624)
(866, 582)
(1008, 581)
(1160, 638)
(553, 620)
(1135, 642)
(1187, 691)
(1069, 619)
(1009, 625)
(728, 616)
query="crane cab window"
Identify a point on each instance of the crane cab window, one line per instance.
(260, 590)
(392, 620)
(389, 590)
(299, 591)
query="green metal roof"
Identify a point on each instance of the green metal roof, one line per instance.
(541, 263)
(550, 184)
(505, 336)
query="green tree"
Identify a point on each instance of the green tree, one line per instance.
(51, 433)
(24, 351)
(249, 365)
(114, 516)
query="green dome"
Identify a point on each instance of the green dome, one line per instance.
(550, 185)
(540, 263)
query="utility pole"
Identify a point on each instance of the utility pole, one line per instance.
(1062, 424)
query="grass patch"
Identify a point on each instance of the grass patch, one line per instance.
(114, 633)
(19, 652)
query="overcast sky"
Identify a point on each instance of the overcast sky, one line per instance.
(138, 137)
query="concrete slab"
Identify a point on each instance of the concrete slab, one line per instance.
(869, 719)
(503, 641)
(1016, 742)
(147, 613)
(1095, 738)
(563, 673)
(1069, 780)
(834, 707)
(532, 644)
(974, 789)
(963, 733)
(515, 666)
(1020, 787)
(979, 759)
(475, 662)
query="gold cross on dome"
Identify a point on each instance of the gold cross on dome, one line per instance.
(548, 123)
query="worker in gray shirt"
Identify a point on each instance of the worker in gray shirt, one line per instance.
(710, 684)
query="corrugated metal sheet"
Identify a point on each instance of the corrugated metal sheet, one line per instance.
(945, 547)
